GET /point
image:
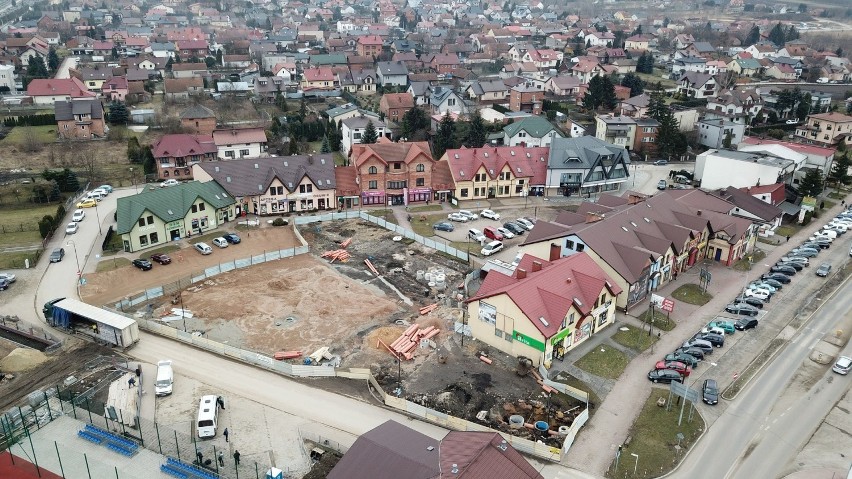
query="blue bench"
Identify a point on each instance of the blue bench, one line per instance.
(89, 437)
(167, 469)
(193, 471)
(112, 438)
(119, 449)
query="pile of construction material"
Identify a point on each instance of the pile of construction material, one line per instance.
(435, 278)
(339, 254)
(428, 309)
(405, 345)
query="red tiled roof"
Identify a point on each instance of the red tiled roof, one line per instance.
(52, 87)
(398, 100)
(181, 145)
(550, 292)
(525, 162)
(344, 178)
(191, 44)
(387, 152)
(239, 135)
(120, 83)
(370, 40)
(319, 74)
(480, 455)
(797, 147)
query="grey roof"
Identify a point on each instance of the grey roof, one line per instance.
(581, 152)
(168, 204)
(333, 112)
(439, 94)
(392, 68)
(695, 79)
(419, 88)
(65, 110)
(196, 112)
(488, 86)
(703, 47)
(748, 203)
(252, 176)
(390, 450)
(691, 60)
(753, 157)
(361, 122)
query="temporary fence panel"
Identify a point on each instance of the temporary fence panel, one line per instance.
(578, 423)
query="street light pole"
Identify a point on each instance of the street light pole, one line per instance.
(98, 216)
(635, 466)
(79, 271)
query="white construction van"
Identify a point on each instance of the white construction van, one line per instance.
(165, 378)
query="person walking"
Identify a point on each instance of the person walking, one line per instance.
(221, 459)
(236, 457)
(225, 433)
(220, 402)
(200, 457)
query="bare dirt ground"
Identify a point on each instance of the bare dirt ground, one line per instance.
(113, 285)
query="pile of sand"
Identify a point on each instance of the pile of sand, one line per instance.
(22, 359)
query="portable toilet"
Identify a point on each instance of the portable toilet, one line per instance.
(274, 473)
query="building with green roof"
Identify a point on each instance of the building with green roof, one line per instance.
(530, 131)
(156, 217)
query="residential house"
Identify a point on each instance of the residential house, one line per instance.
(640, 42)
(544, 309)
(396, 105)
(94, 78)
(183, 88)
(199, 120)
(563, 86)
(275, 185)
(115, 89)
(586, 69)
(353, 79)
(543, 59)
(713, 168)
(616, 130)
(826, 129)
(352, 129)
(444, 99)
(497, 172)
(175, 155)
(394, 173)
(80, 119)
(759, 51)
(7, 78)
(716, 132)
(745, 67)
(158, 216)
(634, 107)
(240, 143)
(50, 90)
(530, 131)
(716, 67)
(319, 78)
(421, 91)
(270, 89)
(782, 71)
(645, 138)
(348, 110)
(445, 63)
(766, 215)
(392, 73)
(585, 165)
(188, 70)
(697, 85)
(736, 105)
(487, 92)
(684, 65)
(369, 45)
(527, 98)
(699, 49)
(594, 39)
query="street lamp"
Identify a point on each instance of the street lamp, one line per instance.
(98, 216)
(79, 271)
(133, 180)
(635, 466)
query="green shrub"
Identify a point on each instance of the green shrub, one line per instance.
(279, 222)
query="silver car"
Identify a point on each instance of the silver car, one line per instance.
(843, 364)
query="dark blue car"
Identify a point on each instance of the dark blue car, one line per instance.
(232, 238)
(443, 226)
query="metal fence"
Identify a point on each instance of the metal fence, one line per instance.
(17, 424)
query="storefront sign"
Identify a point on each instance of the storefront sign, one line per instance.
(373, 193)
(419, 190)
(560, 335)
(531, 342)
(174, 224)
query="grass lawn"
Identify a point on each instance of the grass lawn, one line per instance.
(660, 320)
(828, 204)
(635, 339)
(163, 250)
(421, 209)
(609, 363)
(41, 134)
(111, 264)
(654, 437)
(787, 230)
(424, 227)
(17, 260)
(14, 218)
(743, 264)
(385, 214)
(692, 294)
(836, 196)
(339, 159)
(651, 79)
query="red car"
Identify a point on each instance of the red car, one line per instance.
(161, 258)
(678, 366)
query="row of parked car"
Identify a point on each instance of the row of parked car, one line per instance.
(6, 279)
(497, 234)
(202, 247)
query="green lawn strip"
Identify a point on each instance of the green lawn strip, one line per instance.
(163, 250)
(609, 363)
(635, 339)
(17, 260)
(422, 224)
(21, 238)
(692, 294)
(420, 209)
(661, 321)
(12, 216)
(787, 230)
(112, 263)
(654, 437)
(18, 135)
(385, 214)
(828, 204)
(743, 264)
(746, 374)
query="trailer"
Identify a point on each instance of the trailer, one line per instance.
(102, 325)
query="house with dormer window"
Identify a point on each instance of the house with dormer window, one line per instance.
(497, 172)
(80, 119)
(585, 165)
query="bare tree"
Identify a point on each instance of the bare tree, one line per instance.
(88, 161)
(30, 142)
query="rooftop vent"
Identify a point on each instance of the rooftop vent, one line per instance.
(486, 154)
(634, 224)
(170, 212)
(290, 185)
(430, 448)
(322, 160)
(228, 179)
(286, 164)
(217, 169)
(646, 219)
(328, 182)
(512, 152)
(455, 469)
(461, 172)
(256, 166)
(544, 321)
(259, 187)
(457, 156)
(579, 303)
(625, 229)
(529, 155)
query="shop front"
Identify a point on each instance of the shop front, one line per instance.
(373, 197)
(415, 195)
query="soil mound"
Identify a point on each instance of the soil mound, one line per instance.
(22, 359)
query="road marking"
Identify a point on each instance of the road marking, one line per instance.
(814, 344)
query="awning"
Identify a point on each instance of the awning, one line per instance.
(789, 208)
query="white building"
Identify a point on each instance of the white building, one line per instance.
(713, 169)
(7, 77)
(712, 132)
(353, 129)
(240, 143)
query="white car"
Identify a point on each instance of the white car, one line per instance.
(78, 215)
(491, 248)
(470, 214)
(490, 215)
(458, 217)
(506, 233)
(203, 248)
(823, 236)
(169, 182)
(793, 121)
(713, 330)
(475, 235)
(840, 228)
(760, 294)
(525, 223)
(8, 277)
(71, 228)
(220, 242)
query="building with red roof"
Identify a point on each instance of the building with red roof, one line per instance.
(394, 173)
(543, 309)
(47, 91)
(240, 143)
(498, 172)
(115, 89)
(319, 78)
(369, 45)
(396, 105)
(174, 155)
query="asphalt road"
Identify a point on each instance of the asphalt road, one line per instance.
(769, 422)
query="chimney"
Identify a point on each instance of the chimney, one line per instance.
(310, 159)
(568, 280)
(698, 212)
(536, 266)
(521, 273)
(592, 217)
(634, 199)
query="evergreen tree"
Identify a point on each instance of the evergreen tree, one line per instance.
(370, 136)
(636, 85)
(804, 107)
(839, 173)
(726, 142)
(812, 183)
(293, 147)
(219, 57)
(476, 134)
(777, 35)
(148, 161)
(210, 62)
(608, 98)
(670, 141)
(303, 108)
(752, 37)
(72, 183)
(36, 68)
(53, 61)
(444, 138)
(415, 123)
(792, 34)
(326, 146)
(118, 113)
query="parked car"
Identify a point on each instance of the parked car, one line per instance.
(457, 217)
(804, 252)
(169, 182)
(795, 259)
(741, 308)
(78, 215)
(161, 258)
(57, 254)
(842, 365)
(761, 294)
(107, 188)
(716, 340)
(491, 215)
(469, 214)
(712, 330)
(4, 284)
(791, 264)
(687, 359)
(761, 286)
(220, 242)
(710, 392)
(745, 323)
(492, 233)
(751, 301)
(664, 376)
(779, 277)
(661, 162)
(71, 228)
(694, 352)
(491, 248)
(681, 368)
(11, 278)
(662, 185)
(203, 248)
(726, 326)
(234, 238)
(701, 344)
(87, 203)
(792, 121)
(475, 235)
(514, 227)
(505, 232)
(772, 282)
(818, 244)
(142, 264)
(525, 223)
(443, 226)
(788, 270)
(823, 270)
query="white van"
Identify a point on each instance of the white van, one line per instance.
(95, 195)
(165, 378)
(208, 413)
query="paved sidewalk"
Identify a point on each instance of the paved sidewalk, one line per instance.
(594, 449)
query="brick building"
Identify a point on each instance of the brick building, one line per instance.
(174, 155)
(526, 98)
(199, 120)
(369, 45)
(396, 105)
(80, 119)
(394, 173)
